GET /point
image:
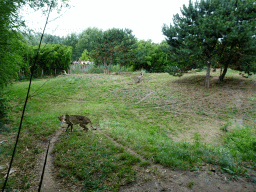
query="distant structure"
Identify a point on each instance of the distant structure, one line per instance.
(88, 62)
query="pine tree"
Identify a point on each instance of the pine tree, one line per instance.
(213, 28)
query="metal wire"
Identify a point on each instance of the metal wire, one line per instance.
(42, 176)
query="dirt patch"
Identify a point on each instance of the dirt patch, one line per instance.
(209, 132)
(158, 179)
(230, 102)
(49, 182)
(155, 177)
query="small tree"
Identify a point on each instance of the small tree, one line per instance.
(151, 56)
(85, 56)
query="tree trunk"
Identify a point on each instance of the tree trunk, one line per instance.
(221, 77)
(42, 73)
(110, 62)
(208, 71)
(120, 69)
(105, 66)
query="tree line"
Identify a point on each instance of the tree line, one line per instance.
(209, 33)
(111, 47)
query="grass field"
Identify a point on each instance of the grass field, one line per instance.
(175, 122)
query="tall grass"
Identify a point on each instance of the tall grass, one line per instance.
(78, 69)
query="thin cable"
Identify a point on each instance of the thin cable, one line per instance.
(34, 93)
(32, 69)
(42, 176)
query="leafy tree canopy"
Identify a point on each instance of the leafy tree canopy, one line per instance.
(88, 40)
(114, 44)
(52, 59)
(11, 45)
(72, 40)
(10, 38)
(151, 56)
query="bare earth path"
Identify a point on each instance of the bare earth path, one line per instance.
(153, 178)
(50, 182)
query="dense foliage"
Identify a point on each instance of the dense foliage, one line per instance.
(115, 46)
(52, 59)
(10, 39)
(151, 56)
(88, 40)
(72, 40)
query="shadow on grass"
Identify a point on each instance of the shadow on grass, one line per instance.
(228, 82)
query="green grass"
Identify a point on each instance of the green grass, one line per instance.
(164, 119)
(154, 145)
(242, 144)
(94, 160)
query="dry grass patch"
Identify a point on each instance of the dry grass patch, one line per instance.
(209, 133)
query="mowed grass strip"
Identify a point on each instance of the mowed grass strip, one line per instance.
(172, 121)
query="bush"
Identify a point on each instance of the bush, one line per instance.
(174, 70)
